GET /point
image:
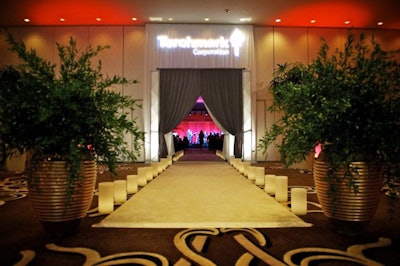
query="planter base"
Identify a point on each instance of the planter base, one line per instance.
(48, 196)
(348, 228)
(61, 229)
(350, 211)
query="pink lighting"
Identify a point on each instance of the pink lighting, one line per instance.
(318, 150)
(196, 121)
(194, 128)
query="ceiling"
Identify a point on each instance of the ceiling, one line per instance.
(324, 13)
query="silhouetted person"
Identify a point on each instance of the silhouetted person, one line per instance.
(201, 138)
(185, 142)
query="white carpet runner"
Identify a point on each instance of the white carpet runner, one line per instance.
(201, 195)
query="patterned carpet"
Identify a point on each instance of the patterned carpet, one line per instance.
(24, 242)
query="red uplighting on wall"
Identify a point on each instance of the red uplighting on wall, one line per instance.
(79, 12)
(304, 13)
(326, 14)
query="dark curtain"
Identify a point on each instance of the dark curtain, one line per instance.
(221, 90)
(179, 90)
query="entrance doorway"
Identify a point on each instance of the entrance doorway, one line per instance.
(198, 130)
(225, 102)
(221, 90)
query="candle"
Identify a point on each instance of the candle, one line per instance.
(246, 166)
(142, 180)
(251, 173)
(281, 188)
(164, 162)
(231, 160)
(234, 163)
(259, 176)
(106, 197)
(142, 175)
(148, 172)
(120, 193)
(241, 167)
(237, 162)
(131, 184)
(169, 157)
(154, 166)
(269, 186)
(299, 201)
(160, 167)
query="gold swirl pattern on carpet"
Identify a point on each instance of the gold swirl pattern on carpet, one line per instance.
(190, 243)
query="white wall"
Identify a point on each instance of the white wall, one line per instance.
(273, 45)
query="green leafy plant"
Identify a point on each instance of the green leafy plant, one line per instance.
(70, 112)
(347, 100)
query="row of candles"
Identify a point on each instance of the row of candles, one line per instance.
(275, 185)
(116, 192)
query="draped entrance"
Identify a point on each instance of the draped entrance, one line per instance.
(225, 49)
(221, 90)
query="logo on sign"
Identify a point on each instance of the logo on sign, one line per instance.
(205, 47)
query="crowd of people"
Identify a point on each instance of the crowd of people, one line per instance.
(212, 141)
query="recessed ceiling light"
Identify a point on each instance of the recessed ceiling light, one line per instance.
(278, 20)
(313, 21)
(98, 19)
(134, 19)
(170, 19)
(155, 18)
(27, 20)
(347, 22)
(380, 23)
(206, 19)
(62, 19)
(245, 19)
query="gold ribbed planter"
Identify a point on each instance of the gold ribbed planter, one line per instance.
(349, 206)
(48, 192)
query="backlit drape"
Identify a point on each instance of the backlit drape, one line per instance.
(179, 90)
(221, 90)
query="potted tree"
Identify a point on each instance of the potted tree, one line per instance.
(346, 103)
(69, 119)
(12, 160)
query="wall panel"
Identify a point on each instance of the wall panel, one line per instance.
(8, 57)
(389, 40)
(41, 39)
(111, 58)
(334, 38)
(260, 126)
(264, 50)
(80, 34)
(134, 60)
(290, 45)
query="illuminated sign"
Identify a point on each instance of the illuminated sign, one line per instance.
(204, 47)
